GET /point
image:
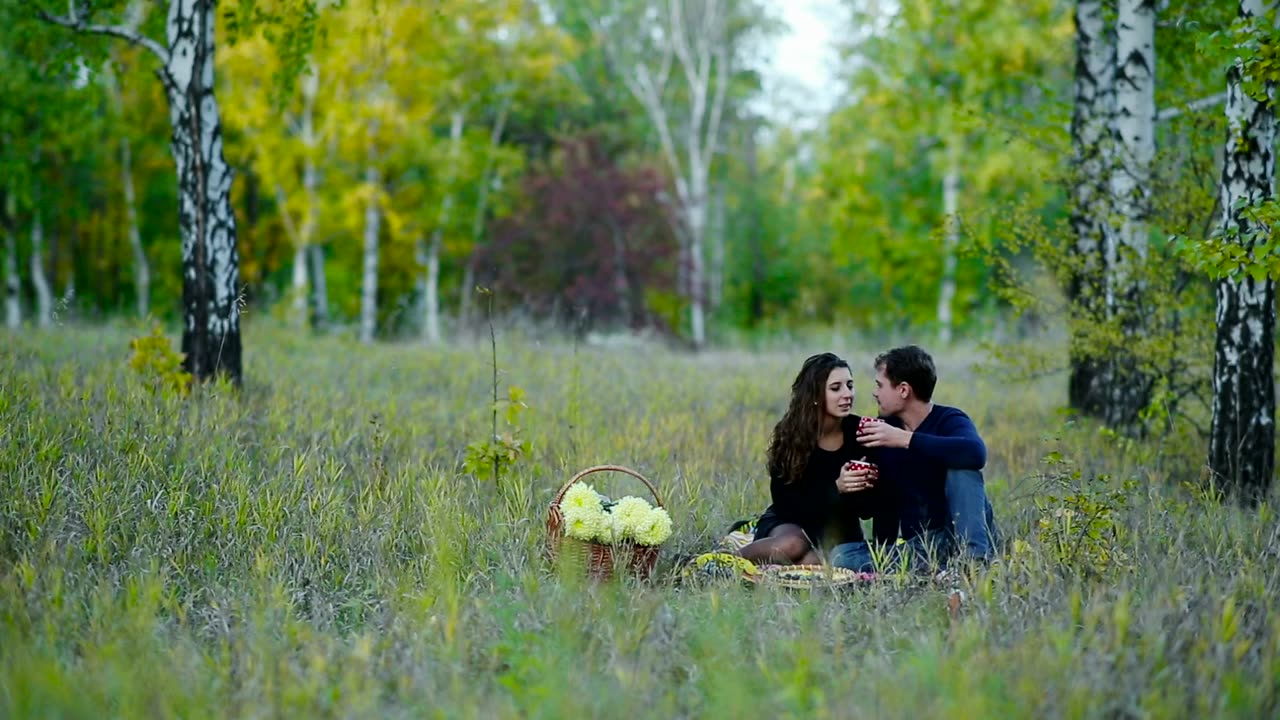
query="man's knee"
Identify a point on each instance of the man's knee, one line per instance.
(971, 512)
(854, 556)
(966, 492)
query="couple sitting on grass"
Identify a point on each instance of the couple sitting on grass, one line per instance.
(915, 472)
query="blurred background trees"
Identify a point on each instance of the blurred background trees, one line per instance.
(975, 170)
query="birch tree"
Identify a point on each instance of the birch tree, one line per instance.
(288, 155)
(1242, 434)
(211, 340)
(1092, 109)
(429, 252)
(40, 279)
(689, 38)
(1128, 383)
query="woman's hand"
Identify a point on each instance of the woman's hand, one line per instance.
(855, 478)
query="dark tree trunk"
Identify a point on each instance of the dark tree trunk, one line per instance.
(12, 286)
(319, 289)
(1242, 435)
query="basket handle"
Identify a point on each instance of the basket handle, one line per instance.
(555, 502)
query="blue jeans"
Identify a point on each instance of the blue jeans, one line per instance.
(973, 532)
(972, 519)
(855, 556)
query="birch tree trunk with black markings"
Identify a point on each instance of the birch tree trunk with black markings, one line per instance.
(1242, 434)
(210, 261)
(1128, 385)
(206, 223)
(1092, 157)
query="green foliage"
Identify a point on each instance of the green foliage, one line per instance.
(1081, 521)
(1254, 252)
(967, 90)
(154, 359)
(499, 453)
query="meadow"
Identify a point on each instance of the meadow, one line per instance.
(311, 546)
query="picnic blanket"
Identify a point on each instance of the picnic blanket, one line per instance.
(724, 563)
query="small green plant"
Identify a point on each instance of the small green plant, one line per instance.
(501, 449)
(160, 367)
(1080, 522)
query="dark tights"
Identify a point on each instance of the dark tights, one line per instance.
(787, 544)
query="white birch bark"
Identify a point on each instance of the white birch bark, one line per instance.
(39, 279)
(141, 266)
(1092, 158)
(429, 253)
(1128, 386)
(693, 38)
(309, 86)
(1135, 117)
(206, 223)
(372, 227)
(1242, 433)
(951, 240)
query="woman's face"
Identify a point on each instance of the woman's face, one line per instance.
(838, 394)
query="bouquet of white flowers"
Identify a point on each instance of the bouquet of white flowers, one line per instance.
(588, 515)
(602, 526)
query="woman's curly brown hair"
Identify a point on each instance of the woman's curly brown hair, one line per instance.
(796, 434)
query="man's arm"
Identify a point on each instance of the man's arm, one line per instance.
(956, 444)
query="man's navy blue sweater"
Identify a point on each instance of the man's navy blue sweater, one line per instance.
(914, 479)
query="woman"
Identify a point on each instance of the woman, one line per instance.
(817, 498)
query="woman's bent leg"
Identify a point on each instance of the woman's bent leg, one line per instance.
(787, 544)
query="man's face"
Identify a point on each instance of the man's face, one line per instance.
(890, 398)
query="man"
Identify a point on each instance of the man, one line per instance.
(930, 459)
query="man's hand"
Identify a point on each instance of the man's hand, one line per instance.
(856, 478)
(882, 434)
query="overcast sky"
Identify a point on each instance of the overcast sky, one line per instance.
(799, 71)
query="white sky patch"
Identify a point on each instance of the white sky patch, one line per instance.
(799, 67)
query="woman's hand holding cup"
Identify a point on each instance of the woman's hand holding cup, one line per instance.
(856, 476)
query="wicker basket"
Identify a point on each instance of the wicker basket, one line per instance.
(596, 559)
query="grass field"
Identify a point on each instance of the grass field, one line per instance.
(312, 547)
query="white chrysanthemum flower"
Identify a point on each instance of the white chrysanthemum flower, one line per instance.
(656, 529)
(629, 516)
(587, 524)
(581, 496)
